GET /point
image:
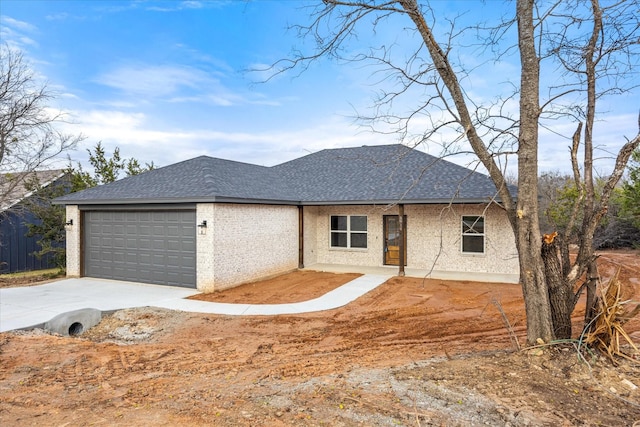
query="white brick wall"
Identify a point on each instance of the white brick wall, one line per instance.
(244, 243)
(73, 241)
(251, 242)
(205, 250)
(433, 239)
(310, 235)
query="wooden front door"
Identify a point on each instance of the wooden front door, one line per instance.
(392, 240)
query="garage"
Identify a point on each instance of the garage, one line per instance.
(148, 246)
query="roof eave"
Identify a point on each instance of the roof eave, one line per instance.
(238, 200)
(447, 201)
(173, 200)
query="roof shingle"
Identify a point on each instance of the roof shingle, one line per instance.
(369, 174)
(14, 187)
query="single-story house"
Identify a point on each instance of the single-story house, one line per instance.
(212, 224)
(17, 251)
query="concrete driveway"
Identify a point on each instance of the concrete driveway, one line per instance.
(32, 306)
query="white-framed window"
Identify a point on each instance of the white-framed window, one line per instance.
(348, 231)
(473, 234)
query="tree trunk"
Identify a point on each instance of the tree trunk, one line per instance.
(560, 292)
(534, 289)
(592, 283)
(525, 221)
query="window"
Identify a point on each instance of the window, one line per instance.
(473, 234)
(348, 231)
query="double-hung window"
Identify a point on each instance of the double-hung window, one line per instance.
(473, 234)
(348, 231)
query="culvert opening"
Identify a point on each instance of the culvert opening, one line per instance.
(76, 328)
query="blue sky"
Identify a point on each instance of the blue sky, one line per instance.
(166, 80)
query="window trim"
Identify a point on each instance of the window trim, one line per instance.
(483, 234)
(348, 232)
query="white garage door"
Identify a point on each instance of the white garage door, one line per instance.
(141, 246)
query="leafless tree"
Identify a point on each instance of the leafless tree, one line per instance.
(28, 138)
(605, 53)
(428, 67)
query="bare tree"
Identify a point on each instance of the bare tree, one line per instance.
(605, 53)
(28, 138)
(434, 71)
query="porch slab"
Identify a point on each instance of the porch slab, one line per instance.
(391, 270)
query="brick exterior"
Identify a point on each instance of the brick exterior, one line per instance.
(244, 243)
(433, 240)
(310, 230)
(73, 241)
(250, 242)
(205, 249)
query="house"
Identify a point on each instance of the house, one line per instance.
(16, 249)
(212, 224)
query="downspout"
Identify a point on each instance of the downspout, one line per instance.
(300, 236)
(402, 239)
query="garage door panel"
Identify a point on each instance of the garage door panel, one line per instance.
(145, 246)
(188, 249)
(119, 242)
(105, 255)
(174, 245)
(119, 257)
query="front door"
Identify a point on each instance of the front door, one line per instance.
(392, 240)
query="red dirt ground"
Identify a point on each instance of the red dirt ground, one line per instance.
(412, 352)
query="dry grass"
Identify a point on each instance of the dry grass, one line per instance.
(607, 331)
(26, 274)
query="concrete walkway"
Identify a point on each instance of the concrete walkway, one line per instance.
(32, 306)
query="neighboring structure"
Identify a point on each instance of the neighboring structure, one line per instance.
(212, 224)
(16, 249)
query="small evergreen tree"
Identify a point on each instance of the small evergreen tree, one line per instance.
(50, 218)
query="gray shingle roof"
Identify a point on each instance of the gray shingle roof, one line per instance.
(387, 173)
(14, 186)
(376, 174)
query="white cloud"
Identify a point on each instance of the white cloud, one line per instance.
(200, 57)
(154, 81)
(14, 33)
(178, 6)
(138, 138)
(191, 5)
(58, 16)
(110, 121)
(19, 25)
(177, 84)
